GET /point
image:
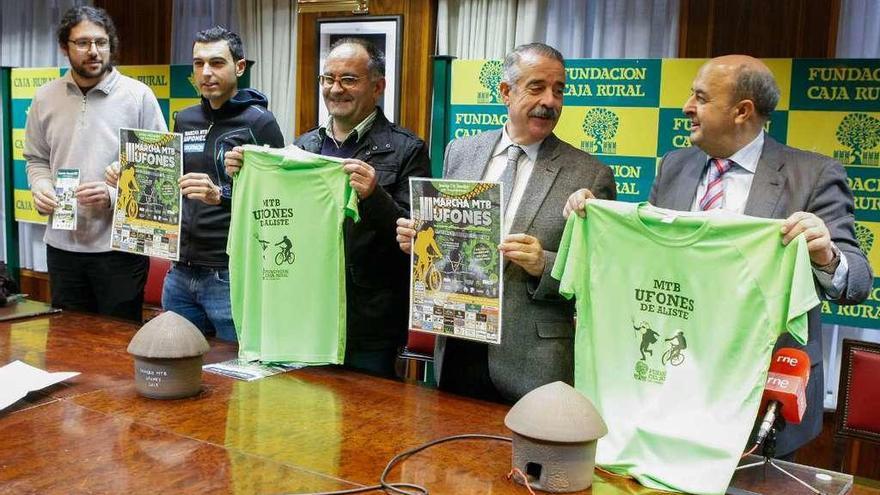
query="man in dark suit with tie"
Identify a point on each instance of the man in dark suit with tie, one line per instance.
(538, 172)
(734, 165)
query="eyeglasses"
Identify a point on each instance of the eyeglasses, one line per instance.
(347, 82)
(83, 45)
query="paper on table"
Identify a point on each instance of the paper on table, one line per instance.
(18, 378)
(249, 370)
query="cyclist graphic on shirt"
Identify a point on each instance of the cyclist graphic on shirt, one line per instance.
(286, 245)
(264, 245)
(649, 337)
(678, 345)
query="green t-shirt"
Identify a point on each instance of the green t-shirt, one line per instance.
(286, 256)
(678, 314)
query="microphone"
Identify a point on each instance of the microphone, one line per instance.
(785, 390)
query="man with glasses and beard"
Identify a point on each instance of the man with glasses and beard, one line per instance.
(73, 123)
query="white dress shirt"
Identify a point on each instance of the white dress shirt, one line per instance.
(525, 165)
(738, 180)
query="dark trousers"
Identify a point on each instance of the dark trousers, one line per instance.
(378, 362)
(109, 283)
(466, 371)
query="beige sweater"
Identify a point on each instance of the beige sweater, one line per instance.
(66, 129)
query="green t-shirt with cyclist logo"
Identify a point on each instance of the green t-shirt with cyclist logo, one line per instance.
(678, 314)
(286, 256)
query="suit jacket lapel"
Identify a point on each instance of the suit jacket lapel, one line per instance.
(688, 181)
(543, 175)
(767, 183)
(475, 168)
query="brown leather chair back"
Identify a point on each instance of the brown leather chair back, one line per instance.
(858, 395)
(858, 403)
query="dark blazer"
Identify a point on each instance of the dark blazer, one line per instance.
(377, 271)
(786, 180)
(537, 334)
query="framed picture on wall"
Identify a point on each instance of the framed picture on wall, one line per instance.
(383, 31)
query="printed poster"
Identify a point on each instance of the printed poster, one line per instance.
(456, 282)
(66, 182)
(146, 217)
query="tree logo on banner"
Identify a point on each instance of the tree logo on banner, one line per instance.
(600, 126)
(860, 133)
(490, 77)
(865, 238)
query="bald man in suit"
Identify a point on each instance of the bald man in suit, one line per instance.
(732, 98)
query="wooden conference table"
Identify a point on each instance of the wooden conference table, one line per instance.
(314, 429)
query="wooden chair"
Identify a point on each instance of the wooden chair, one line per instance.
(858, 402)
(153, 290)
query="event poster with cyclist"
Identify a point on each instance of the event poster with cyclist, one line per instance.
(455, 283)
(146, 217)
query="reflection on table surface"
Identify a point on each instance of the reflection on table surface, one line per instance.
(314, 429)
(24, 308)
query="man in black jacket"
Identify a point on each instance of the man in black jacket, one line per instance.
(197, 287)
(380, 158)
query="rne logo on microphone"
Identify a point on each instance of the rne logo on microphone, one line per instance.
(777, 383)
(789, 360)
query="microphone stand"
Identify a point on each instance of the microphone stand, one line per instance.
(768, 451)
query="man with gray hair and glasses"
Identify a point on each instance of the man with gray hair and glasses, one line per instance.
(538, 172)
(380, 159)
(73, 123)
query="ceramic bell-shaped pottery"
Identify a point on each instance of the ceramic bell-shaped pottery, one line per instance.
(555, 429)
(168, 352)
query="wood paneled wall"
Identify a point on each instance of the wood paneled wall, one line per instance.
(761, 28)
(144, 30)
(419, 25)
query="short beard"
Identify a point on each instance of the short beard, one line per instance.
(80, 71)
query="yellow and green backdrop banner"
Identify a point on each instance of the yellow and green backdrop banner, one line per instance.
(628, 114)
(173, 86)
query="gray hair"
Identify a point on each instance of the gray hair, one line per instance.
(758, 86)
(512, 59)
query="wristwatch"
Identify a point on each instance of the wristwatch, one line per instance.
(831, 266)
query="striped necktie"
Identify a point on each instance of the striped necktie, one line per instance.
(714, 195)
(508, 176)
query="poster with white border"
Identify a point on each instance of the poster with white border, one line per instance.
(147, 213)
(456, 284)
